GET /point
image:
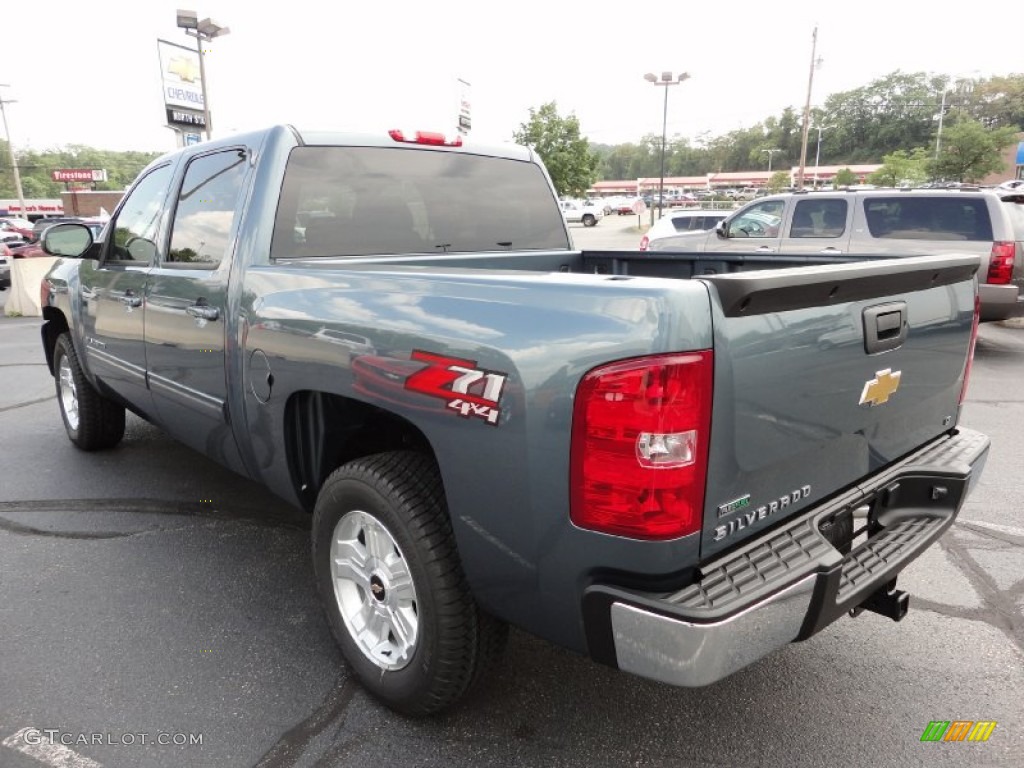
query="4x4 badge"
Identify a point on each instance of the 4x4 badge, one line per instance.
(879, 389)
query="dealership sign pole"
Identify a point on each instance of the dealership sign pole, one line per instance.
(181, 78)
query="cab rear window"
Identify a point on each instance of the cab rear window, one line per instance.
(357, 201)
(928, 218)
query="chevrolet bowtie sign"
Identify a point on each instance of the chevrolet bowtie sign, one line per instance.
(180, 76)
(879, 389)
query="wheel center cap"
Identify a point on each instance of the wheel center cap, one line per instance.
(377, 588)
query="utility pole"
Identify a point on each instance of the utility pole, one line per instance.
(10, 147)
(815, 62)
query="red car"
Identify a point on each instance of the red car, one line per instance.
(9, 226)
(35, 248)
(5, 267)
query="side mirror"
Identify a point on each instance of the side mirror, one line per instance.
(141, 249)
(722, 229)
(68, 240)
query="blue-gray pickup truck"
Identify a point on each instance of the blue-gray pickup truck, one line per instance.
(674, 466)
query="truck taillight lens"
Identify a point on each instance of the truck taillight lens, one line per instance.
(1000, 265)
(970, 347)
(644, 242)
(640, 431)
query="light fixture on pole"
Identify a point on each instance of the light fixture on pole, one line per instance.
(666, 79)
(959, 81)
(204, 30)
(10, 148)
(815, 64)
(771, 154)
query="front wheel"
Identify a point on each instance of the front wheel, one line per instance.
(390, 581)
(92, 421)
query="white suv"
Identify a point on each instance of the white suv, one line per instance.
(677, 222)
(576, 211)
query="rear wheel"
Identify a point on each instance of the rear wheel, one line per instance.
(92, 421)
(589, 220)
(392, 586)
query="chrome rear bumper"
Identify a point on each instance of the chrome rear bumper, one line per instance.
(790, 582)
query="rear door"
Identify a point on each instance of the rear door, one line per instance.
(187, 323)
(818, 224)
(825, 375)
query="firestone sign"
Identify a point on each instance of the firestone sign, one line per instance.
(79, 174)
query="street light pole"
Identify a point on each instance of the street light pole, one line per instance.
(942, 111)
(14, 158)
(204, 30)
(666, 80)
(817, 157)
(815, 63)
(771, 154)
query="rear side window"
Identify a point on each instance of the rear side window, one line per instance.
(357, 201)
(695, 223)
(819, 218)
(206, 209)
(928, 218)
(1016, 211)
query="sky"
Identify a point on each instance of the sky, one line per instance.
(90, 74)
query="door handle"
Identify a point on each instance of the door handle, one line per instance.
(131, 301)
(765, 249)
(203, 311)
(831, 251)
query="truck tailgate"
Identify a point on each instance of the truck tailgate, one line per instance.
(825, 376)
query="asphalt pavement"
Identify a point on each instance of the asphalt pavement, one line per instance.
(148, 595)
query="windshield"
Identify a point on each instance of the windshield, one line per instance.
(356, 201)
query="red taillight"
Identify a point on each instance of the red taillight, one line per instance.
(1000, 265)
(426, 137)
(640, 432)
(970, 347)
(644, 242)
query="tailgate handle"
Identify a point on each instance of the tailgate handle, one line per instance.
(885, 327)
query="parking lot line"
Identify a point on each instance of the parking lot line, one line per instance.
(31, 741)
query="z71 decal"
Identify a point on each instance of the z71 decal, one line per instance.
(470, 392)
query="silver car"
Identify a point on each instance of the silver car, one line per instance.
(913, 222)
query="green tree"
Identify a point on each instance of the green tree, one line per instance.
(36, 167)
(998, 101)
(566, 154)
(970, 151)
(900, 166)
(845, 178)
(778, 181)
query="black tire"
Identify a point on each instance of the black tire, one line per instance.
(589, 220)
(455, 642)
(98, 422)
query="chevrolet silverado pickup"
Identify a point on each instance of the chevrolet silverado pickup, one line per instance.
(658, 463)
